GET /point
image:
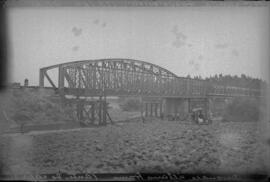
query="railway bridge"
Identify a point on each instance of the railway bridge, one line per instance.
(161, 92)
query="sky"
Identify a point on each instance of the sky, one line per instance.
(185, 40)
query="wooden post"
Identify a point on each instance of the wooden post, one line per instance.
(79, 109)
(93, 107)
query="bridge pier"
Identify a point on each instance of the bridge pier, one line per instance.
(175, 107)
(92, 111)
(152, 107)
(180, 108)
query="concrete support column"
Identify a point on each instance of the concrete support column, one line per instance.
(160, 109)
(151, 109)
(156, 108)
(164, 111)
(146, 109)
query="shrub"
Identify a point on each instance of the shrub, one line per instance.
(130, 104)
(28, 107)
(22, 116)
(243, 110)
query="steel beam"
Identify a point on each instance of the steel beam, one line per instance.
(49, 79)
(41, 77)
(133, 77)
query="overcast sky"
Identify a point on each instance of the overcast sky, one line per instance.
(185, 40)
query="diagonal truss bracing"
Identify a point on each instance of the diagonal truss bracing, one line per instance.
(114, 77)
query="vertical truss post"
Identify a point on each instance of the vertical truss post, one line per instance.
(60, 80)
(61, 77)
(41, 78)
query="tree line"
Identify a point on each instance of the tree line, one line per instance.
(235, 81)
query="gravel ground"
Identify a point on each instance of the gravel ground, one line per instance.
(154, 146)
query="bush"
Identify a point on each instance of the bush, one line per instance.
(130, 104)
(23, 116)
(28, 107)
(243, 110)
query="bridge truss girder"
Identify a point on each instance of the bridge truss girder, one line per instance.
(121, 77)
(131, 77)
(126, 77)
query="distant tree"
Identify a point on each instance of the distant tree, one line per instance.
(220, 76)
(243, 110)
(215, 78)
(236, 81)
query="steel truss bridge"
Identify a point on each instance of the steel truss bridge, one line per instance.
(128, 77)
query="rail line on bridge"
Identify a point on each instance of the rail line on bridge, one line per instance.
(127, 77)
